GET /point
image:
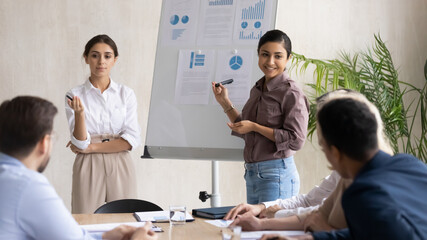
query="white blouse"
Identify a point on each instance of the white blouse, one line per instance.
(303, 203)
(112, 112)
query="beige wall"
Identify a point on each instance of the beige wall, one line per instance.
(41, 55)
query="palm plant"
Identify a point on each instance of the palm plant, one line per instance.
(373, 74)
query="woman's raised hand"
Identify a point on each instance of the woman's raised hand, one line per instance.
(76, 105)
(221, 93)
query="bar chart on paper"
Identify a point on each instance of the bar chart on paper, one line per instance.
(252, 19)
(220, 2)
(252, 35)
(254, 12)
(197, 60)
(176, 33)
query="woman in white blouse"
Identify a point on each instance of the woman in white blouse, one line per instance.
(102, 116)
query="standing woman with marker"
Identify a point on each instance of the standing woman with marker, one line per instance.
(273, 123)
(102, 116)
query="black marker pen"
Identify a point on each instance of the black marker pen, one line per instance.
(228, 81)
(69, 97)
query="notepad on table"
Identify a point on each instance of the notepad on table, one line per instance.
(158, 216)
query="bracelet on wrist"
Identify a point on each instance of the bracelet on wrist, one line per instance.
(229, 109)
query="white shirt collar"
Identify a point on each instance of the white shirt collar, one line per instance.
(113, 86)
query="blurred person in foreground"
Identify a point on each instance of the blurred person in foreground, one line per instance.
(386, 199)
(30, 208)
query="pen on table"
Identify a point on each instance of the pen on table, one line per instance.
(69, 97)
(228, 81)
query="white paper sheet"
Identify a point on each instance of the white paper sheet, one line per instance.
(216, 22)
(252, 234)
(258, 234)
(194, 76)
(158, 216)
(237, 66)
(252, 20)
(219, 222)
(179, 22)
(99, 228)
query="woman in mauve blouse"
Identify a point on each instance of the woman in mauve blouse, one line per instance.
(273, 123)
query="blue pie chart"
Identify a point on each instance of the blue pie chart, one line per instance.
(185, 19)
(236, 62)
(257, 24)
(244, 25)
(174, 19)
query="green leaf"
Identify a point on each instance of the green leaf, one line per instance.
(373, 74)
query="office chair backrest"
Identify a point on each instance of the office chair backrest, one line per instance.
(128, 206)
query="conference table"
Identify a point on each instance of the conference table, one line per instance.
(197, 229)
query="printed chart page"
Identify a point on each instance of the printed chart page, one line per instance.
(252, 20)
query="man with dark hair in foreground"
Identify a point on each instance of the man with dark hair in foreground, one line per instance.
(387, 199)
(29, 206)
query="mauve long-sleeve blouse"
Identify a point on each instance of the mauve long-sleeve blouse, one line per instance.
(283, 107)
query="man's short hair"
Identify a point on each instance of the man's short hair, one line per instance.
(24, 120)
(350, 126)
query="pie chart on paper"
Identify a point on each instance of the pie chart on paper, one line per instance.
(236, 62)
(185, 19)
(174, 19)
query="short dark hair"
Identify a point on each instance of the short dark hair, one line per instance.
(24, 121)
(102, 38)
(350, 126)
(321, 99)
(276, 36)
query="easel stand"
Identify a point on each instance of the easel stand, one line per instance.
(215, 196)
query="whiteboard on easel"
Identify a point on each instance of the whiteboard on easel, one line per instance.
(200, 42)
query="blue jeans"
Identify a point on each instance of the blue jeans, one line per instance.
(270, 180)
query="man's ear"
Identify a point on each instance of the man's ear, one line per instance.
(336, 153)
(43, 145)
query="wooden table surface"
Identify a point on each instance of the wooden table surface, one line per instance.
(198, 229)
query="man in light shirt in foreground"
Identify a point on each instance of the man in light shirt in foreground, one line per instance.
(30, 208)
